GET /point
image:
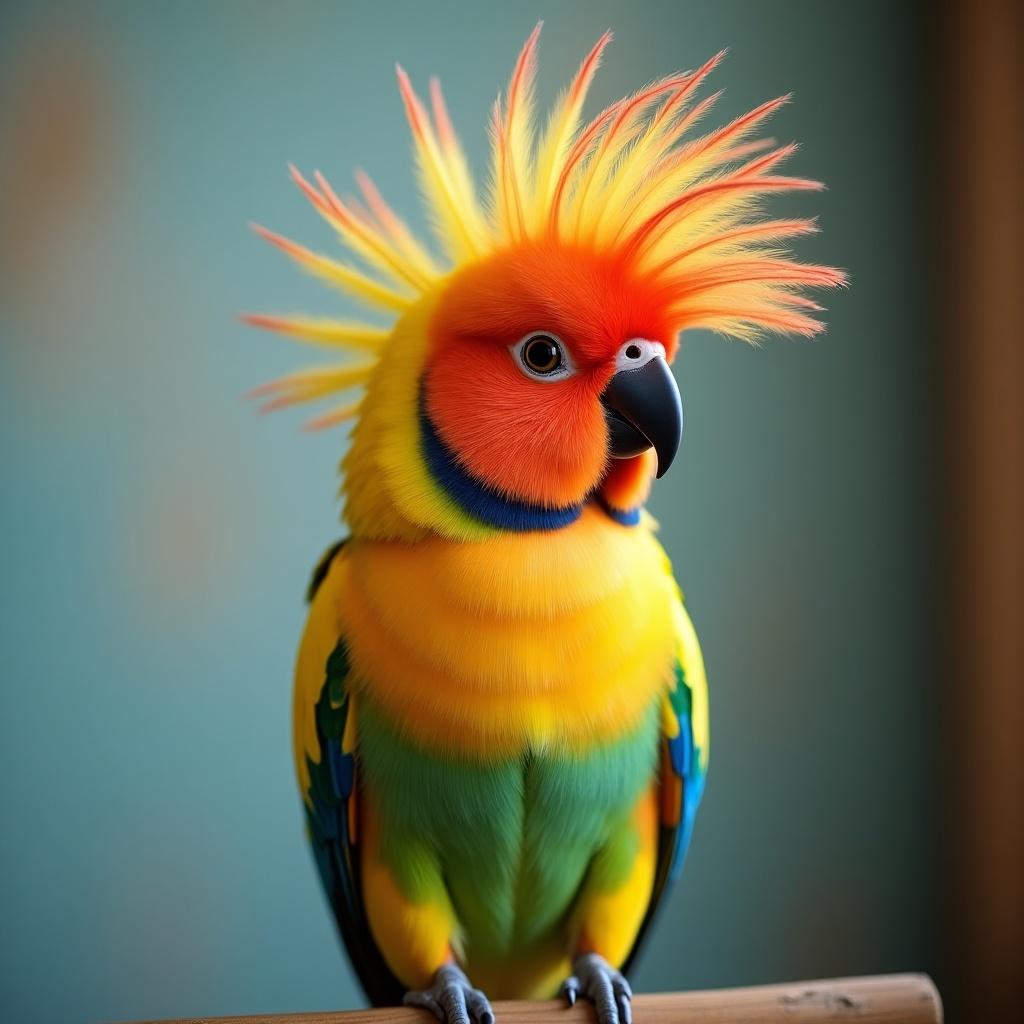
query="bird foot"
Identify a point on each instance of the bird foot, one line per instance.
(595, 979)
(452, 999)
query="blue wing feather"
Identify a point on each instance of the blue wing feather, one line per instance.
(682, 759)
(332, 788)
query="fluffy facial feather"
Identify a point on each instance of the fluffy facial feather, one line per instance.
(538, 440)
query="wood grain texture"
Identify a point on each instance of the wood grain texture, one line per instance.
(889, 999)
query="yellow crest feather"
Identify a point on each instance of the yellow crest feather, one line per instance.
(633, 181)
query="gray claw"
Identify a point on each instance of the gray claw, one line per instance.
(452, 999)
(595, 979)
(480, 1008)
(570, 989)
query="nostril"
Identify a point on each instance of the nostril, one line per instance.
(633, 352)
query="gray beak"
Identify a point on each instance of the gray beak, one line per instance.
(643, 410)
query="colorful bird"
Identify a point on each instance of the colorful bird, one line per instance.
(501, 713)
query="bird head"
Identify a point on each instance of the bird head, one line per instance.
(526, 372)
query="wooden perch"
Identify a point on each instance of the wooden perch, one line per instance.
(888, 999)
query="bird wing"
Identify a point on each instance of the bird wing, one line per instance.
(683, 764)
(326, 747)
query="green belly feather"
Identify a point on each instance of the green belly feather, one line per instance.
(511, 842)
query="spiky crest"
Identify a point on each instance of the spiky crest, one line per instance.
(632, 181)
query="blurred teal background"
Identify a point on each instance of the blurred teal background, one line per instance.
(157, 536)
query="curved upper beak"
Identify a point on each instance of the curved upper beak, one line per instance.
(643, 410)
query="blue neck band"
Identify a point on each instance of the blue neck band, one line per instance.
(486, 504)
(479, 500)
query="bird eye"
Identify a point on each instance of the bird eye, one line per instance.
(542, 354)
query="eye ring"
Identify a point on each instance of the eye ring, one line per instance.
(543, 356)
(637, 352)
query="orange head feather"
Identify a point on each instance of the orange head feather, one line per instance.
(627, 226)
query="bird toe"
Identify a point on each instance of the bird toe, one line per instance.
(596, 980)
(452, 999)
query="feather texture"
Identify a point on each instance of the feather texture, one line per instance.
(634, 183)
(539, 743)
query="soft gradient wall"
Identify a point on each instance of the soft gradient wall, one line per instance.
(156, 535)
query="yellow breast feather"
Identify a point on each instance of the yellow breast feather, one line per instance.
(513, 642)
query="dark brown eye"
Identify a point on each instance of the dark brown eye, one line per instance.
(542, 354)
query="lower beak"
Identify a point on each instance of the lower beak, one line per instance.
(643, 410)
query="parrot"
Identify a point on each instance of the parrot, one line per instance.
(500, 703)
